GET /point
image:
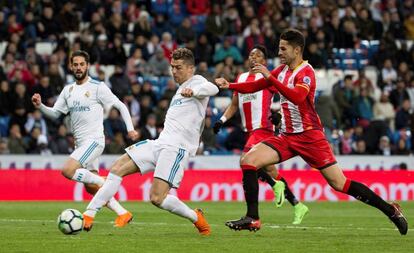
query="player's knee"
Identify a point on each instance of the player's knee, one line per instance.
(249, 160)
(156, 199)
(68, 172)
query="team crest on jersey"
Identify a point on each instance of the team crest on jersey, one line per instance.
(307, 80)
(87, 94)
(71, 89)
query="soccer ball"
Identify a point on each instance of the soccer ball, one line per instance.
(70, 222)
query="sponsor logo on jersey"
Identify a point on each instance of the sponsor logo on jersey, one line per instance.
(248, 97)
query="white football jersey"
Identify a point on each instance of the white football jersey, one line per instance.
(85, 104)
(184, 121)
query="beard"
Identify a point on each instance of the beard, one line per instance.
(79, 76)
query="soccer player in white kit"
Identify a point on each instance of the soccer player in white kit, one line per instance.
(168, 155)
(85, 101)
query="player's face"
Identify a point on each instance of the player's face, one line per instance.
(79, 67)
(287, 52)
(181, 71)
(256, 56)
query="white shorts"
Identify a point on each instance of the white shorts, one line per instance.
(167, 162)
(87, 154)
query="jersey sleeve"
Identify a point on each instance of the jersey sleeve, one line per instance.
(61, 105)
(105, 96)
(305, 78)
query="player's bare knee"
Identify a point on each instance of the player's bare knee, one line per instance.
(249, 160)
(68, 171)
(156, 199)
(91, 188)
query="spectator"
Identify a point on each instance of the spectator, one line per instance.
(398, 94)
(6, 99)
(227, 50)
(117, 145)
(143, 26)
(118, 51)
(403, 117)
(344, 96)
(401, 148)
(168, 45)
(114, 124)
(4, 146)
(185, 32)
(146, 109)
(45, 90)
(42, 146)
(149, 130)
(158, 65)
(61, 144)
(68, 18)
(170, 90)
(161, 111)
(203, 51)
(136, 66)
(208, 138)
(346, 143)
(384, 147)
(36, 120)
(120, 82)
(360, 148)
(47, 27)
(388, 75)
(216, 26)
(202, 69)
(17, 144)
(134, 109)
(383, 110)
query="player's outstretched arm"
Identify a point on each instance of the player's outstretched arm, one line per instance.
(296, 95)
(132, 134)
(205, 89)
(246, 87)
(50, 112)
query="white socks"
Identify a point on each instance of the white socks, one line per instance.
(85, 176)
(114, 205)
(174, 205)
(106, 193)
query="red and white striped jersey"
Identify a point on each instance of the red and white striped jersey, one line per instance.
(254, 107)
(302, 117)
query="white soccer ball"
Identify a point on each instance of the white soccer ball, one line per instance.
(70, 222)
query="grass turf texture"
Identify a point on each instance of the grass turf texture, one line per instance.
(329, 227)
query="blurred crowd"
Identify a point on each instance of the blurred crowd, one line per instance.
(130, 43)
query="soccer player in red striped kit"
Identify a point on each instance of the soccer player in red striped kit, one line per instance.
(301, 133)
(257, 118)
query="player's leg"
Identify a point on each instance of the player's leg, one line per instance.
(259, 156)
(122, 167)
(271, 175)
(337, 180)
(75, 168)
(168, 173)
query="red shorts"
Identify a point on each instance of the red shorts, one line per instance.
(311, 145)
(256, 136)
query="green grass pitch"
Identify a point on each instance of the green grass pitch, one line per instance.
(329, 227)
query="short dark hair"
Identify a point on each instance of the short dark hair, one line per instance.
(294, 37)
(184, 54)
(81, 53)
(262, 49)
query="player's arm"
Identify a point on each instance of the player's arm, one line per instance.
(50, 112)
(106, 97)
(205, 89)
(296, 95)
(228, 113)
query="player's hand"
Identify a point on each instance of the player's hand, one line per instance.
(276, 119)
(187, 92)
(37, 100)
(216, 128)
(262, 69)
(133, 135)
(222, 83)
